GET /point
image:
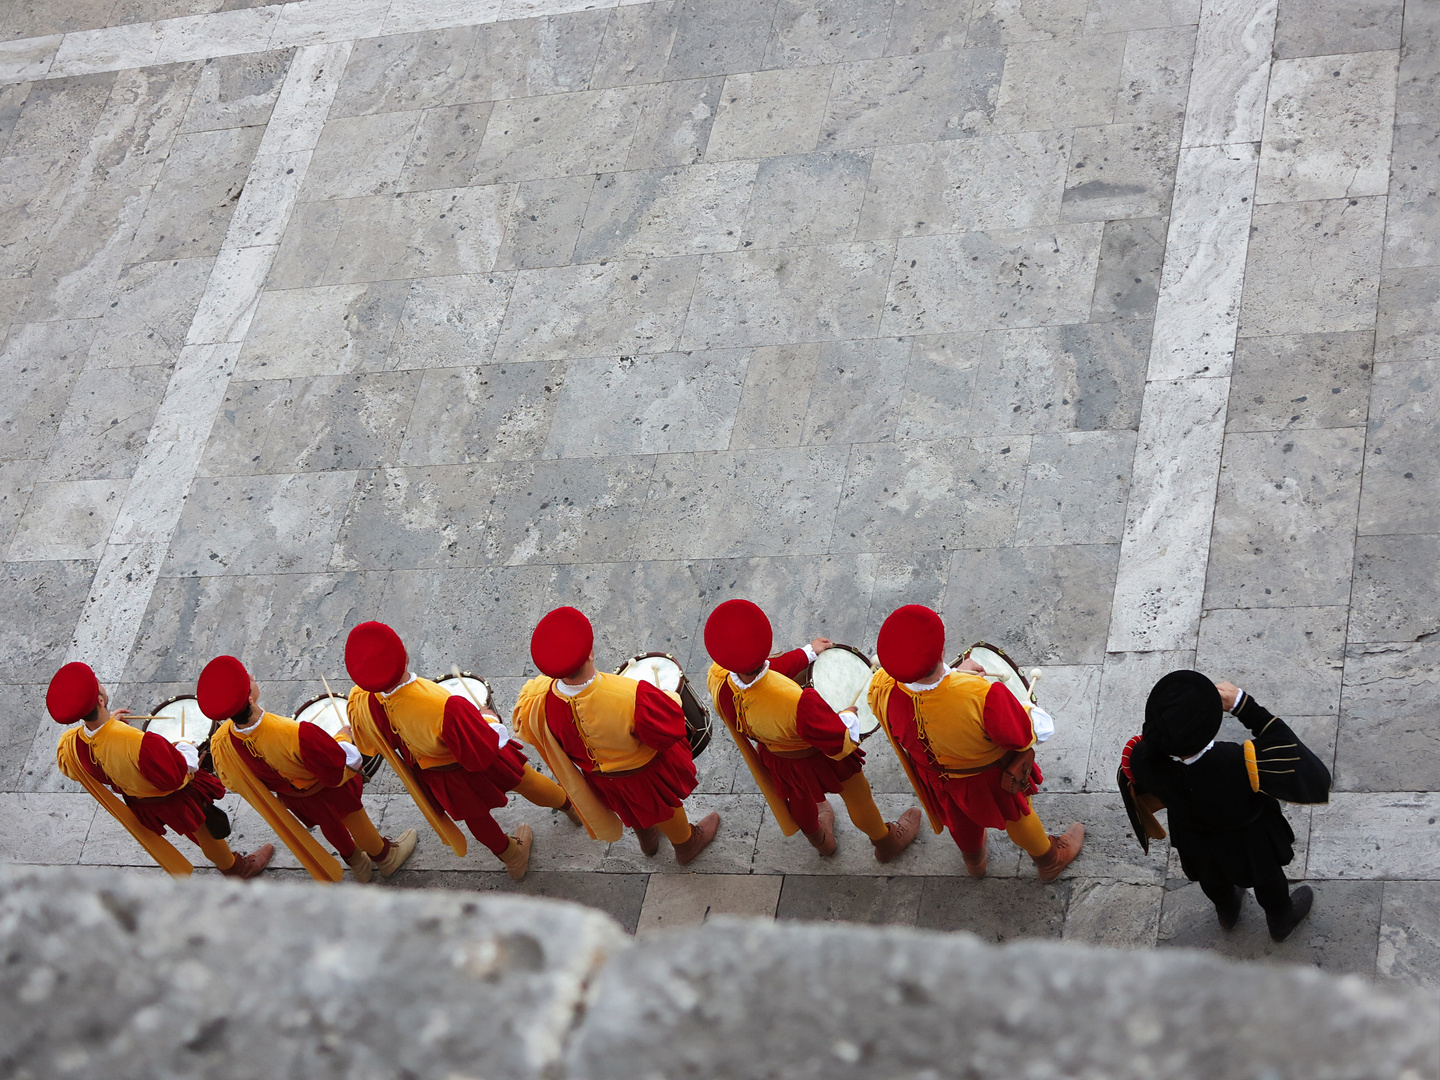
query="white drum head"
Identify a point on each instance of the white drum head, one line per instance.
(998, 669)
(180, 719)
(838, 675)
(471, 689)
(658, 671)
(328, 714)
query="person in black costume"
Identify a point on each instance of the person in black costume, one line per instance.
(1223, 797)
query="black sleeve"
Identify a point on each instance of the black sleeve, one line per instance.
(1287, 768)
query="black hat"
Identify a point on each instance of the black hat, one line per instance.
(1183, 713)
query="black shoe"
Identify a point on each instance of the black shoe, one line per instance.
(1300, 901)
(1229, 914)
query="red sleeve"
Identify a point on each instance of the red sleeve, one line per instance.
(659, 720)
(468, 735)
(791, 663)
(1006, 723)
(322, 755)
(726, 701)
(820, 725)
(161, 763)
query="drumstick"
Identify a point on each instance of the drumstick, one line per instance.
(182, 721)
(655, 669)
(331, 695)
(455, 674)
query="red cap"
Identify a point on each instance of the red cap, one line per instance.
(74, 693)
(911, 643)
(224, 688)
(738, 636)
(374, 657)
(562, 642)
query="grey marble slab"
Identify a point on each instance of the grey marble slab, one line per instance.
(927, 495)
(148, 319)
(1050, 603)
(1339, 241)
(1125, 683)
(422, 517)
(40, 364)
(808, 32)
(714, 38)
(922, 26)
(1290, 658)
(675, 122)
(404, 71)
(518, 58)
(628, 306)
(775, 397)
(806, 199)
(323, 331)
(544, 223)
(1127, 276)
(930, 96)
(189, 211)
(939, 386)
(653, 213)
(360, 155)
(1401, 450)
(573, 133)
(1076, 488)
(752, 297)
(48, 828)
(1408, 324)
(1328, 128)
(857, 390)
(731, 852)
(767, 113)
(51, 594)
(1300, 381)
(1114, 914)
(1058, 378)
(1121, 171)
(878, 901)
(106, 423)
(493, 412)
(1386, 740)
(1155, 75)
(928, 857)
(1284, 515)
(1070, 693)
(1419, 65)
(305, 248)
(1328, 27)
(636, 46)
(1409, 933)
(996, 182)
(1412, 218)
(987, 280)
(236, 91)
(449, 321)
(419, 234)
(67, 519)
(674, 900)
(1001, 22)
(1396, 592)
(1110, 852)
(17, 481)
(1060, 83)
(1368, 835)
(1030, 910)
(665, 403)
(25, 705)
(442, 152)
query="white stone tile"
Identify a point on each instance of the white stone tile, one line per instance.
(411, 16)
(1071, 694)
(115, 607)
(529, 9)
(111, 49)
(230, 297)
(47, 828)
(304, 102)
(1201, 284)
(1376, 835)
(28, 58)
(1114, 914)
(1231, 72)
(1328, 128)
(1166, 544)
(270, 193)
(318, 22)
(196, 389)
(220, 33)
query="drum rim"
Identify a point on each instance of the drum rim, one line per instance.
(850, 649)
(652, 656)
(489, 690)
(210, 724)
(173, 700)
(339, 703)
(998, 651)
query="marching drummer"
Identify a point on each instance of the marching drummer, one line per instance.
(966, 744)
(798, 748)
(161, 782)
(313, 775)
(457, 761)
(618, 746)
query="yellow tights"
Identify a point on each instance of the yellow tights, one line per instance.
(540, 790)
(860, 804)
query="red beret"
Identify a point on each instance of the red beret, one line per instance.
(562, 642)
(224, 688)
(74, 693)
(911, 643)
(738, 636)
(374, 657)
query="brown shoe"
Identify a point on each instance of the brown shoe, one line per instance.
(517, 855)
(1063, 850)
(823, 838)
(361, 865)
(976, 862)
(401, 849)
(247, 866)
(701, 833)
(902, 833)
(574, 815)
(649, 840)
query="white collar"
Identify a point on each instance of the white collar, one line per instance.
(742, 684)
(922, 687)
(87, 734)
(410, 677)
(1194, 757)
(564, 688)
(246, 730)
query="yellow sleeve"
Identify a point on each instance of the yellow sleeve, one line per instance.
(357, 711)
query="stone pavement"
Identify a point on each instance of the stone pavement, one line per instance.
(1110, 328)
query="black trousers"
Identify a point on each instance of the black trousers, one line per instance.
(1272, 892)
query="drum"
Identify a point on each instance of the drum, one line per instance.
(841, 675)
(471, 687)
(180, 719)
(328, 714)
(664, 671)
(1000, 667)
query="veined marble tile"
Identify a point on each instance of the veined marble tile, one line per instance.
(112, 49)
(196, 389)
(1229, 80)
(1328, 128)
(271, 191)
(529, 9)
(318, 22)
(68, 519)
(304, 102)
(116, 605)
(229, 302)
(28, 58)
(221, 33)
(1165, 548)
(1376, 835)
(47, 828)
(408, 16)
(1200, 287)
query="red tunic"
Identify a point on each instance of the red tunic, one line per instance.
(484, 771)
(651, 794)
(165, 767)
(804, 780)
(332, 797)
(966, 801)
